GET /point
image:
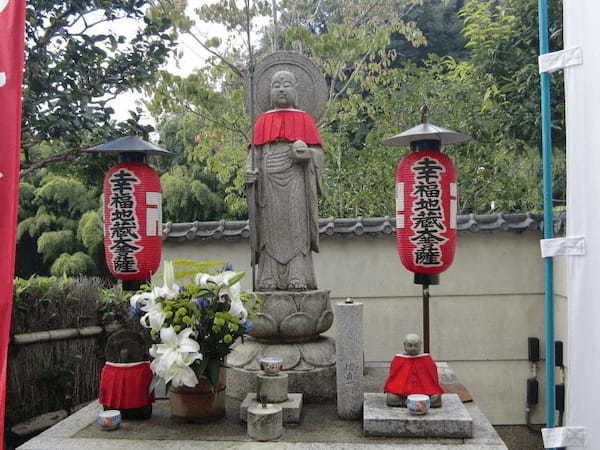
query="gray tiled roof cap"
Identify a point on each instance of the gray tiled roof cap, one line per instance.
(376, 226)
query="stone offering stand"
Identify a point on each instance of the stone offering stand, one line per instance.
(273, 389)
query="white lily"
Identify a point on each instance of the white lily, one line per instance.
(174, 355)
(154, 317)
(180, 375)
(233, 292)
(169, 289)
(141, 299)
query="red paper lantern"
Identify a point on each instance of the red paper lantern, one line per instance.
(426, 208)
(132, 221)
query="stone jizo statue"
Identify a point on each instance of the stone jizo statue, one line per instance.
(286, 172)
(412, 373)
(126, 377)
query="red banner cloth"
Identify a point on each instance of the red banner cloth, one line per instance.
(12, 37)
(286, 125)
(125, 386)
(413, 375)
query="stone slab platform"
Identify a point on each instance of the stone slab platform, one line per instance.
(292, 408)
(321, 429)
(450, 421)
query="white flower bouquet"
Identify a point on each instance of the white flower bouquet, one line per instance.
(193, 326)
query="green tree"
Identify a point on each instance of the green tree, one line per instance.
(60, 221)
(441, 25)
(489, 93)
(209, 129)
(73, 68)
(492, 168)
(347, 39)
(493, 96)
(502, 36)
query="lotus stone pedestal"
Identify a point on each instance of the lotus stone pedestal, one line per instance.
(288, 326)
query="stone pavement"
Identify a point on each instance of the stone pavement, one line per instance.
(320, 428)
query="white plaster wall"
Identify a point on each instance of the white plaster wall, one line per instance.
(561, 314)
(485, 307)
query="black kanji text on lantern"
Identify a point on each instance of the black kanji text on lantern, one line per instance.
(427, 212)
(124, 225)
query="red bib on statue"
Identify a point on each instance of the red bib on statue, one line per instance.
(413, 375)
(286, 125)
(125, 386)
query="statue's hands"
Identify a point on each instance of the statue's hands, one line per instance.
(251, 176)
(300, 151)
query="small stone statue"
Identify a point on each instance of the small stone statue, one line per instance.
(285, 172)
(412, 373)
(126, 377)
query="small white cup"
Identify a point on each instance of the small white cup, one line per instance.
(109, 419)
(271, 365)
(418, 404)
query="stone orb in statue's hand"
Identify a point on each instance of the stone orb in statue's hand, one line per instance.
(300, 151)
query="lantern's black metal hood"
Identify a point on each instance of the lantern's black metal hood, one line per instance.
(427, 132)
(130, 144)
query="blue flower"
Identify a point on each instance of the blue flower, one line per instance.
(202, 302)
(135, 311)
(228, 267)
(248, 325)
(182, 289)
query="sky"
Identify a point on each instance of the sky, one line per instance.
(194, 56)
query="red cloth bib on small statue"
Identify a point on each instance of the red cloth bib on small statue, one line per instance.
(125, 386)
(286, 125)
(413, 375)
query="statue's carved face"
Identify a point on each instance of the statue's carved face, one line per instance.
(412, 344)
(283, 90)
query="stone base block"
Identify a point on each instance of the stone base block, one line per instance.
(273, 388)
(292, 408)
(451, 420)
(265, 424)
(317, 385)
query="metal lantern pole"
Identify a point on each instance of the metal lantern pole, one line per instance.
(426, 318)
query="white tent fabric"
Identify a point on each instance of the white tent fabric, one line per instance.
(582, 97)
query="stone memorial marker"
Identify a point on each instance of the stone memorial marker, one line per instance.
(349, 356)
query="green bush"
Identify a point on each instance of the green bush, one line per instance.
(50, 303)
(52, 375)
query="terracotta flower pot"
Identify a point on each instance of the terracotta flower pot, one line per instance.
(200, 403)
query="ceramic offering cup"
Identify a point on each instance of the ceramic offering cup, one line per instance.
(271, 365)
(418, 404)
(109, 419)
